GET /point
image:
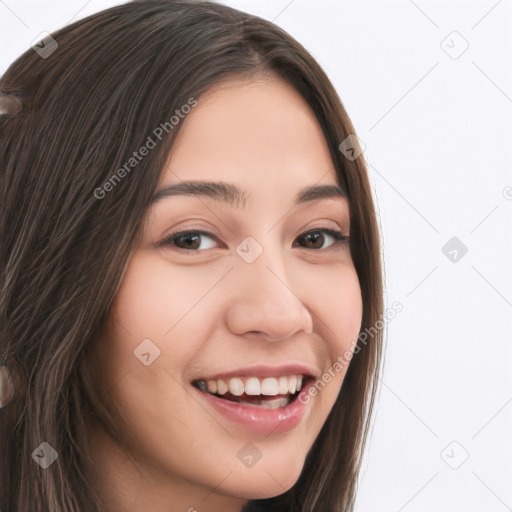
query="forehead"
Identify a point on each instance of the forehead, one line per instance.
(258, 132)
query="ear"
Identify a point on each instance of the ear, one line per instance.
(10, 104)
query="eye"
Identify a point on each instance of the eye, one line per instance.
(189, 240)
(315, 238)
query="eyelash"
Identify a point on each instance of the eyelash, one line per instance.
(338, 236)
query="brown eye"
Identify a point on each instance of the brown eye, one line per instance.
(189, 240)
(315, 239)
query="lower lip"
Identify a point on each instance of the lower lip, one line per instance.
(258, 419)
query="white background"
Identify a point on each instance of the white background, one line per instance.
(438, 135)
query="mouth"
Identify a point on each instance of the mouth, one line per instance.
(255, 391)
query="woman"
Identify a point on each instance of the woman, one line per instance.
(188, 258)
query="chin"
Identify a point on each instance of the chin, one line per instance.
(267, 480)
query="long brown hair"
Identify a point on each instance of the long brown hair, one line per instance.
(114, 77)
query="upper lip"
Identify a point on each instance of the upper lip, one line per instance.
(267, 370)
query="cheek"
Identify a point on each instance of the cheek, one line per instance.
(339, 306)
(158, 317)
(164, 310)
(169, 304)
(340, 310)
(155, 297)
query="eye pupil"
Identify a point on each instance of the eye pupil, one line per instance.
(316, 236)
(192, 240)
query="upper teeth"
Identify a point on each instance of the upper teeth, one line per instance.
(268, 386)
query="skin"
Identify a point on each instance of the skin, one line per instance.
(209, 311)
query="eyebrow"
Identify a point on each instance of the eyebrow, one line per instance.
(234, 196)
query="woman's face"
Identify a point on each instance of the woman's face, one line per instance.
(253, 296)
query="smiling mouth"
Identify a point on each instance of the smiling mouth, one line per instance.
(267, 393)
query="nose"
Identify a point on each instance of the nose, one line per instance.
(263, 300)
